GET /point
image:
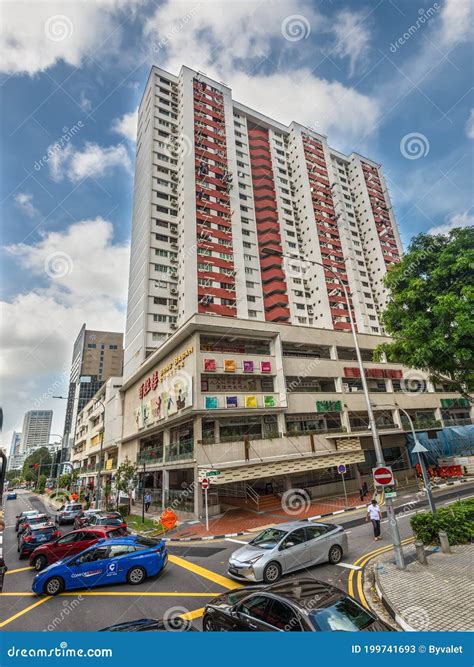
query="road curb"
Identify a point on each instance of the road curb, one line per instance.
(389, 606)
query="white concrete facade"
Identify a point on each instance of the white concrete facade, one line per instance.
(216, 185)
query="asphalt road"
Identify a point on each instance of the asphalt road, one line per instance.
(195, 574)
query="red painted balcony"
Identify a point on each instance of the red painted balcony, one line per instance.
(277, 315)
(218, 309)
(274, 287)
(269, 238)
(275, 301)
(272, 274)
(268, 261)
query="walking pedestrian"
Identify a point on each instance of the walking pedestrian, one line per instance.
(375, 515)
(147, 501)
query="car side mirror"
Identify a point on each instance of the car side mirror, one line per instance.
(287, 545)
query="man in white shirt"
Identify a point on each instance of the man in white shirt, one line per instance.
(375, 515)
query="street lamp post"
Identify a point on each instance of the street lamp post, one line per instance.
(424, 472)
(392, 519)
(99, 470)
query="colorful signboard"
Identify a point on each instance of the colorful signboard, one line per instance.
(328, 406)
(230, 366)
(248, 366)
(250, 401)
(265, 367)
(211, 402)
(231, 402)
(210, 365)
(269, 401)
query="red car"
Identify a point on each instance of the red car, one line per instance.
(73, 543)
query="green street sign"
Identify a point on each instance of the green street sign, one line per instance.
(212, 473)
(391, 494)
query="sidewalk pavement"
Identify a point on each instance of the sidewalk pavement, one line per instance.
(245, 520)
(431, 598)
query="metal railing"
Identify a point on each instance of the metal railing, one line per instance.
(180, 450)
(150, 456)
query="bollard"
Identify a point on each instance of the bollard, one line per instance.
(420, 553)
(443, 538)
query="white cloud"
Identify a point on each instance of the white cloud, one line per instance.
(36, 35)
(203, 37)
(465, 219)
(470, 125)
(24, 201)
(83, 274)
(84, 102)
(93, 161)
(352, 38)
(126, 125)
(456, 22)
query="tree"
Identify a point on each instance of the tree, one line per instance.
(126, 479)
(429, 311)
(13, 474)
(41, 483)
(36, 463)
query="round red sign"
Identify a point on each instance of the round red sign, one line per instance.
(205, 483)
(383, 476)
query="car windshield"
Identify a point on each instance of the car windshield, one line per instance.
(43, 530)
(268, 538)
(343, 616)
(37, 519)
(109, 521)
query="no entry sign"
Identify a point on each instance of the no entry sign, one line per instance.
(383, 476)
(205, 483)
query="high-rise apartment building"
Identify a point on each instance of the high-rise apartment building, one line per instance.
(97, 355)
(36, 429)
(238, 215)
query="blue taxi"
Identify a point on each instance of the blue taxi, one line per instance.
(130, 559)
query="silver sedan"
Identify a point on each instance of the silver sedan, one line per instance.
(286, 548)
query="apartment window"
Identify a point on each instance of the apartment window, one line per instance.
(159, 318)
(162, 268)
(160, 301)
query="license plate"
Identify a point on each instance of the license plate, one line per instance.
(41, 539)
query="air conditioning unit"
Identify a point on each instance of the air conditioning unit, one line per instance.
(173, 325)
(173, 260)
(173, 244)
(174, 275)
(173, 290)
(174, 309)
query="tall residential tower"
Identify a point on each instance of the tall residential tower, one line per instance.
(230, 205)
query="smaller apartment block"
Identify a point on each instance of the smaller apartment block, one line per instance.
(265, 408)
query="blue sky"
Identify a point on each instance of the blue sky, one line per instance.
(391, 79)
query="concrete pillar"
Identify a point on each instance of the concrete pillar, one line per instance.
(333, 352)
(420, 553)
(166, 482)
(281, 423)
(443, 538)
(198, 502)
(287, 482)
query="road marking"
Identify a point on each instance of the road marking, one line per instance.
(20, 569)
(196, 613)
(362, 561)
(23, 611)
(204, 572)
(349, 566)
(229, 539)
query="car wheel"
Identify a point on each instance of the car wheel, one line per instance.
(39, 563)
(335, 554)
(272, 572)
(208, 624)
(54, 586)
(136, 575)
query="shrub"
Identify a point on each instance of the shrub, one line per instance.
(456, 519)
(124, 510)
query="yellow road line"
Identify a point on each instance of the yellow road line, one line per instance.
(77, 593)
(197, 613)
(23, 611)
(20, 569)
(362, 561)
(204, 572)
